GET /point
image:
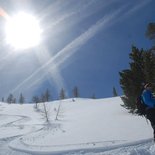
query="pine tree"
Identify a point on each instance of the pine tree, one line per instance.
(10, 99)
(149, 67)
(62, 94)
(43, 98)
(142, 68)
(114, 92)
(2, 99)
(93, 96)
(36, 100)
(21, 99)
(14, 100)
(47, 95)
(150, 33)
(132, 78)
(75, 92)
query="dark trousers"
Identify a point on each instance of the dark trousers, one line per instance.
(150, 115)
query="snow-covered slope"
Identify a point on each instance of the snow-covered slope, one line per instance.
(82, 126)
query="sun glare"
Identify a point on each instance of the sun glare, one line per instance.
(23, 31)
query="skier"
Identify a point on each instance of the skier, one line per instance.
(150, 102)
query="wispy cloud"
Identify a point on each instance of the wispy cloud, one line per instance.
(60, 58)
(138, 6)
(71, 48)
(75, 15)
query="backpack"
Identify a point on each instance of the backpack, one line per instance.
(141, 106)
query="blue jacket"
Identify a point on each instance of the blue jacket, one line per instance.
(148, 98)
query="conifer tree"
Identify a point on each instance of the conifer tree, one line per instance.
(21, 99)
(2, 99)
(43, 98)
(149, 67)
(93, 96)
(62, 94)
(76, 92)
(36, 100)
(14, 100)
(142, 68)
(150, 33)
(47, 95)
(114, 92)
(10, 99)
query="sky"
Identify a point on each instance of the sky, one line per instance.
(85, 43)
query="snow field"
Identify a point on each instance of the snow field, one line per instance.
(81, 125)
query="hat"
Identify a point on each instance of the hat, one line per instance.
(147, 85)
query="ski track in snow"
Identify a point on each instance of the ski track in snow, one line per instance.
(135, 148)
(4, 142)
(6, 150)
(17, 119)
(145, 147)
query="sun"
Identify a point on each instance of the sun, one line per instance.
(23, 31)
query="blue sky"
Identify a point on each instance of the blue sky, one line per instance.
(85, 43)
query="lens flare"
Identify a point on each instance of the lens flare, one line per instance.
(23, 31)
(4, 14)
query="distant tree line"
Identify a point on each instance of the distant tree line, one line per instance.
(11, 99)
(141, 70)
(44, 97)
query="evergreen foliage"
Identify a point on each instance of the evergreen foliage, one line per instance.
(35, 99)
(10, 98)
(141, 70)
(93, 96)
(14, 100)
(47, 95)
(62, 94)
(150, 33)
(75, 92)
(114, 92)
(21, 99)
(2, 99)
(43, 98)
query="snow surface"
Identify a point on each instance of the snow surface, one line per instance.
(83, 126)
